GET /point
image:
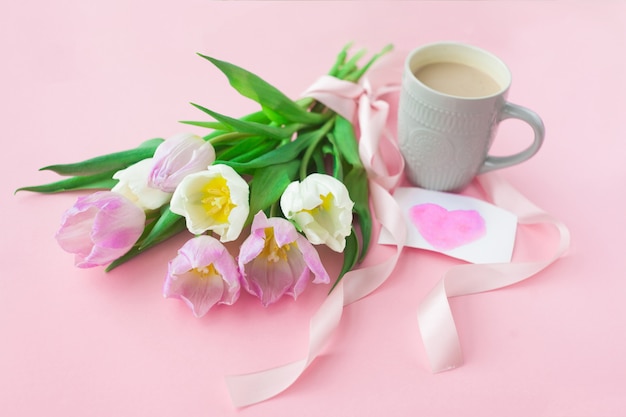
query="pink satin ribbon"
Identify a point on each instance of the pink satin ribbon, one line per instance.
(361, 103)
(364, 104)
(436, 323)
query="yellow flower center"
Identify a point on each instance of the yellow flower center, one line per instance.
(206, 272)
(325, 205)
(271, 251)
(216, 201)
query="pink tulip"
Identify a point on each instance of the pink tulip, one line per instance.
(178, 157)
(202, 275)
(100, 228)
(276, 260)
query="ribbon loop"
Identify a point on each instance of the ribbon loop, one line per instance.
(435, 318)
(338, 95)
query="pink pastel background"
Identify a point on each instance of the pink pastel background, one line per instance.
(82, 78)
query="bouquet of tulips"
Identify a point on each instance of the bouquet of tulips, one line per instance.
(290, 174)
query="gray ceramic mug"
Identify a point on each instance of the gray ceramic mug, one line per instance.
(453, 98)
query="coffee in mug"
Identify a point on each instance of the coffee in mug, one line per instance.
(457, 79)
(453, 97)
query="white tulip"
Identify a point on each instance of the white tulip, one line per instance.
(321, 206)
(213, 200)
(133, 184)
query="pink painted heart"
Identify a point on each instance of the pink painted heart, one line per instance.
(444, 229)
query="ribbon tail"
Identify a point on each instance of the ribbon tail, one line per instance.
(253, 388)
(361, 282)
(435, 318)
(248, 389)
(443, 348)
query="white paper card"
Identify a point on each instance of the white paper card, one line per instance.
(458, 226)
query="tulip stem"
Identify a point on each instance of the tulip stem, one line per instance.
(356, 75)
(273, 209)
(322, 132)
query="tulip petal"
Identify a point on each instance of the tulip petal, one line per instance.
(133, 184)
(276, 260)
(178, 157)
(271, 280)
(202, 275)
(100, 228)
(322, 208)
(214, 200)
(76, 228)
(313, 261)
(199, 293)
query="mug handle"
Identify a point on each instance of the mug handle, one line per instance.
(514, 111)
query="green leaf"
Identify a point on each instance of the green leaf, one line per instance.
(356, 183)
(254, 153)
(222, 134)
(312, 149)
(274, 116)
(340, 61)
(268, 185)
(319, 162)
(110, 162)
(208, 125)
(278, 106)
(151, 143)
(350, 65)
(242, 147)
(284, 153)
(164, 225)
(222, 140)
(356, 75)
(258, 117)
(88, 182)
(337, 163)
(253, 128)
(350, 256)
(345, 141)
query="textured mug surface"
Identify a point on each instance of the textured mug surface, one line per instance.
(444, 138)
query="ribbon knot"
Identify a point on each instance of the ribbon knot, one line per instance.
(364, 105)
